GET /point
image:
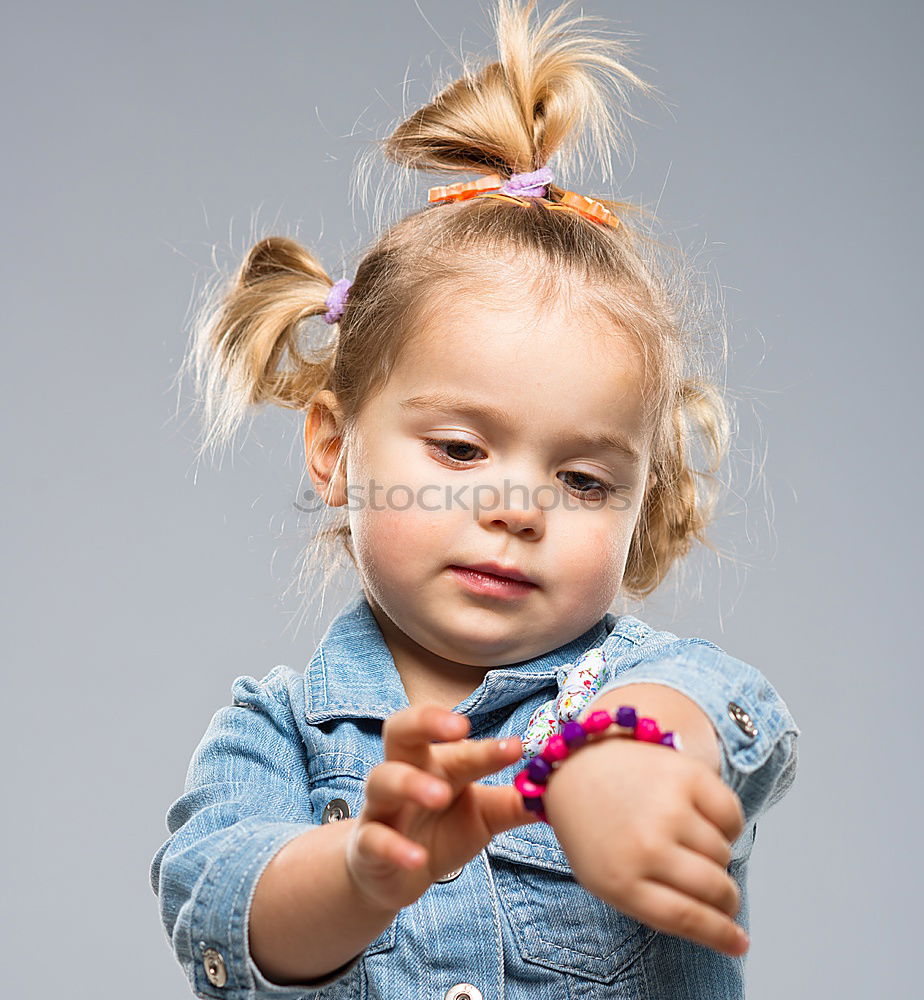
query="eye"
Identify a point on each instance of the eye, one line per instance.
(444, 445)
(448, 449)
(597, 490)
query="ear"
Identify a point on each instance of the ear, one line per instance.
(324, 448)
(652, 479)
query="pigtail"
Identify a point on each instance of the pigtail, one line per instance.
(248, 345)
(679, 506)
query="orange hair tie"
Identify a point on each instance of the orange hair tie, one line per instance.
(588, 207)
(464, 190)
(491, 184)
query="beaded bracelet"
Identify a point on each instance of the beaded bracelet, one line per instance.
(531, 781)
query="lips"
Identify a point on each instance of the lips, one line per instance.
(508, 572)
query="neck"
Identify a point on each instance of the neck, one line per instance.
(428, 679)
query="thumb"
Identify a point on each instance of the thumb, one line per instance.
(502, 808)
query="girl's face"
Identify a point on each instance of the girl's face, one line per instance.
(502, 437)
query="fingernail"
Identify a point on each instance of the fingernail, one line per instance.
(743, 939)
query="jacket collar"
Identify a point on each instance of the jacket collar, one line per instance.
(353, 675)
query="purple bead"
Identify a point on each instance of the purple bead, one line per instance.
(625, 716)
(539, 770)
(534, 805)
(573, 734)
(668, 739)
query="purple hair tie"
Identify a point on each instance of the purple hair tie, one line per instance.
(336, 300)
(528, 185)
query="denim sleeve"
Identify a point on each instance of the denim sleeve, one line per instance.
(245, 797)
(758, 761)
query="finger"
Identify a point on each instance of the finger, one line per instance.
(408, 734)
(380, 849)
(465, 761)
(666, 909)
(697, 876)
(700, 834)
(395, 783)
(718, 803)
(501, 807)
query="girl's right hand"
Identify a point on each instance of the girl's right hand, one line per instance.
(424, 813)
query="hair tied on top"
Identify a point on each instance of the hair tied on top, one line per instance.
(336, 300)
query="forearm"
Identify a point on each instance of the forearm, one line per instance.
(307, 917)
(672, 711)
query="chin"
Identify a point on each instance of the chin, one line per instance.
(481, 637)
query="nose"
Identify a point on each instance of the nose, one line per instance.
(513, 507)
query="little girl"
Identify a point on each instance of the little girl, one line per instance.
(502, 420)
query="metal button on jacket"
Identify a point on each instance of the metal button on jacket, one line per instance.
(449, 876)
(335, 810)
(463, 991)
(742, 719)
(214, 966)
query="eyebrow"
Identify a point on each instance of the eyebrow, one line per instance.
(498, 415)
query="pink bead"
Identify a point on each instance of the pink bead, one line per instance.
(597, 721)
(647, 730)
(555, 749)
(527, 788)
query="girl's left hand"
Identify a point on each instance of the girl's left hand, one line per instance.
(648, 830)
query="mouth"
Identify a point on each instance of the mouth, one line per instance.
(495, 569)
(493, 580)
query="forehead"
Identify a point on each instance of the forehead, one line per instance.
(562, 367)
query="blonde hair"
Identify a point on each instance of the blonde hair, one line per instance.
(549, 97)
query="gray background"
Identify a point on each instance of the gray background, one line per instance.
(140, 583)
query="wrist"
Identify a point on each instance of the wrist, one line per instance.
(364, 899)
(596, 725)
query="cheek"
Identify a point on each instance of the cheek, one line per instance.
(398, 509)
(594, 552)
(388, 538)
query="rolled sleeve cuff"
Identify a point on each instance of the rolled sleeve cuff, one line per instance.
(218, 929)
(264, 988)
(758, 765)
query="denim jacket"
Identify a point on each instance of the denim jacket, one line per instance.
(294, 749)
